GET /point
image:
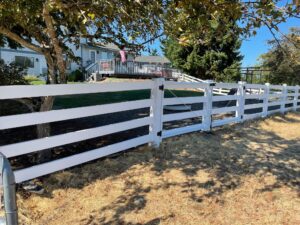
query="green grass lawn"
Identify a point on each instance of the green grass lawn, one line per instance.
(33, 80)
(41, 82)
(71, 101)
(37, 82)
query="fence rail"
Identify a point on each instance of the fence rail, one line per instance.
(248, 101)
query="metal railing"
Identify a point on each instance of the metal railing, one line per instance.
(131, 67)
(92, 68)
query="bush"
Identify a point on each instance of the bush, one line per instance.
(31, 78)
(12, 74)
(76, 76)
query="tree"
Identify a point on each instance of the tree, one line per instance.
(283, 59)
(194, 24)
(190, 21)
(47, 26)
(216, 58)
(154, 52)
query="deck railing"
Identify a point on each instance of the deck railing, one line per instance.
(131, 67)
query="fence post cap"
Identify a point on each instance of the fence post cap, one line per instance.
(6, 171)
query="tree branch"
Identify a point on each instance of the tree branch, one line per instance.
(6, 32)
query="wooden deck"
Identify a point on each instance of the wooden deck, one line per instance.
(130, 69)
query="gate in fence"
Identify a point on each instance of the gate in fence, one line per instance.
(214, 108)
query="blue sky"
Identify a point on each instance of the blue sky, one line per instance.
(257, 45)
(254, 46)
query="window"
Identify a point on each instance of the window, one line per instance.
(104, 55)
(24, 61)
(93, 56)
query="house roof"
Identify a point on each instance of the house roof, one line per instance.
(109, 46)
(152, 59)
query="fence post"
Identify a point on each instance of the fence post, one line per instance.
(207, 106)
(266, 99)
(156, 111)
(9, 191)
(283, 98)
(240, 101)
(296, 96)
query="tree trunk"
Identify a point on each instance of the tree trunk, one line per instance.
(43, 130)
(49, 21)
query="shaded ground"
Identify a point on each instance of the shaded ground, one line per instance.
(241, 174)
(10, 107)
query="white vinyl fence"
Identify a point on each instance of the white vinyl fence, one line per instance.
(248, 101)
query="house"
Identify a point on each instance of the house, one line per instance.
(33, 61)
(90, 53)
(96, 58)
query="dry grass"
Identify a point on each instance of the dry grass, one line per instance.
(241, 174)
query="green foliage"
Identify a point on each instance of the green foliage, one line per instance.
(190, 21)
(216, 58)
(53, 25)
(31, 78)
(12, 74)
(283, 60)
(76, 76)
(154, 52)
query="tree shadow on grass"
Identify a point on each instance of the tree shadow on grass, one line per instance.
(285, 119)
(232, 160)
(228, 155)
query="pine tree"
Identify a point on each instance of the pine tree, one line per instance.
(216, 56)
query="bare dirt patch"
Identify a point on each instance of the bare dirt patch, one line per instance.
(241, 174)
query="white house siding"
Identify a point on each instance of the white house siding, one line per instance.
(40, 66)
(77, 53)
(83, 51)
(101, 54)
